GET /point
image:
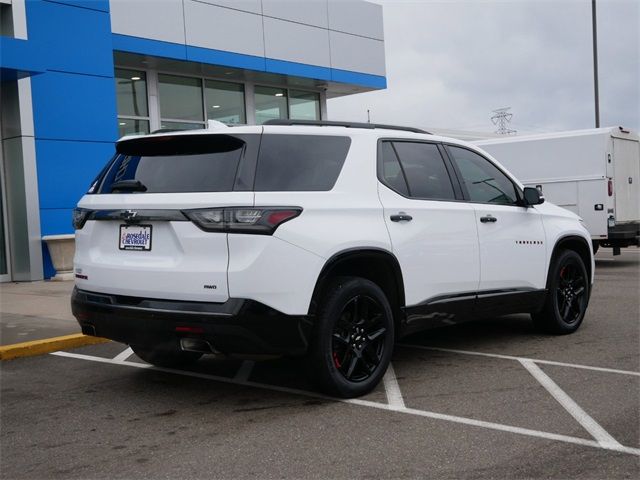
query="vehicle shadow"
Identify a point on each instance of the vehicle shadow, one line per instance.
(478, 334)
(616, 263)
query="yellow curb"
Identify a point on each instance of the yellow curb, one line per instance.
(47, 345)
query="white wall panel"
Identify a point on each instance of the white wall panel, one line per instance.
(296, 43)
(309, 12)
(357, 17)
(252, 6)
(359, 54)
(154, 19)
(210, 26)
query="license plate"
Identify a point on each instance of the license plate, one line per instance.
(135, 237)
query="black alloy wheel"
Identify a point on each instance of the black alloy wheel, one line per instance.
(353, 337)
(570, 292)
(359, 338)
(568, 295)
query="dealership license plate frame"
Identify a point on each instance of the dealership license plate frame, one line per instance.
(135, 248)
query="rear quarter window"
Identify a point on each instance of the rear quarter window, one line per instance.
(300, 162)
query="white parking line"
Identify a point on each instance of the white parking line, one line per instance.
(367, 403)
(122, 356)
(582, 417)
(509, 357)
(244, 372)
(391, 387)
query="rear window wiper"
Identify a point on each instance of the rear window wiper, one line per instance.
(129, 185)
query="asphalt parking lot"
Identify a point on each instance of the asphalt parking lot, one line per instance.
(491, 399)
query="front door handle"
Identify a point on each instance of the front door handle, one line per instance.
(401, 217)
(488, 219)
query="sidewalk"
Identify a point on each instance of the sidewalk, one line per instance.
(35, 310)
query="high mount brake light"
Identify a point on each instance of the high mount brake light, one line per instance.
(256, 220)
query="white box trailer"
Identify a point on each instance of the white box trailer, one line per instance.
(594, 173)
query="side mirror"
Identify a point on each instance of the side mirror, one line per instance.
(532, 196)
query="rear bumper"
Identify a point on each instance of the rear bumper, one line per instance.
(624, 234)
(235, 326)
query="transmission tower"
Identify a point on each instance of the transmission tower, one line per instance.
(501, 117)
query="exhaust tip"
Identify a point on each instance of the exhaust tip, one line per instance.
(88, 329)
(196, 345)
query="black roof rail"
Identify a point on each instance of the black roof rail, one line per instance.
(331, 123)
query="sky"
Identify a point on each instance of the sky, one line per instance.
(451, 63)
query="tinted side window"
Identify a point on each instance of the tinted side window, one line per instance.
(300, 162)
(425, 171)
(392, 174)
(483, 180)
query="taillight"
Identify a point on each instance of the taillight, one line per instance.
(610, 187)
(79, 217)
(257, 220)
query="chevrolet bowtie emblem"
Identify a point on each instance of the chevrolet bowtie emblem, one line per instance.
(128, 214)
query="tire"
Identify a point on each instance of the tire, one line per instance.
(353, 338)
(164, 355)
(568, 295)
(596, 246)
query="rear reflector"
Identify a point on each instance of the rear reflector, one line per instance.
(188, 329)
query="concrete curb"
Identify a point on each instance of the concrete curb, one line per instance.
(47, 345)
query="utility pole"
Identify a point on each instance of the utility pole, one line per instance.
(501, 117)
(596, 94)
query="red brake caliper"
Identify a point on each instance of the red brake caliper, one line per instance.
(335, 360)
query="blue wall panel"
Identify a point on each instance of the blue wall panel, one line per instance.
(156, 48)
(228, 59)
(298, 69)
(69, 106)
(56, 221)
(357, 78)
(72, 39)
(74, 104)
(66, 170)
(101, 5)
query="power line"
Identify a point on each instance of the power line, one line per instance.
(501, 117)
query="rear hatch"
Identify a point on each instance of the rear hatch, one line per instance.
(626, 154)
(134, 235)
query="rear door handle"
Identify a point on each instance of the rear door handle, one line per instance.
(488, 219)
(401, 217)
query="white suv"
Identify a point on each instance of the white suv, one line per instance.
(325, 239)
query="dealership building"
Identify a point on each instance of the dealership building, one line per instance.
(78, 74)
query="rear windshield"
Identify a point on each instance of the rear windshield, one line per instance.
(300, 162)
(223, 163)
(193, 163)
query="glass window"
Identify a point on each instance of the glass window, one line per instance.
(483, 180)
(225, 101)
(184, 163)
(271, 103)
(180, 98)
(181, 125)
(392, 174)
(425, 170)
(304, 105)
(130, 126)
(131, 92)
(300, 162)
